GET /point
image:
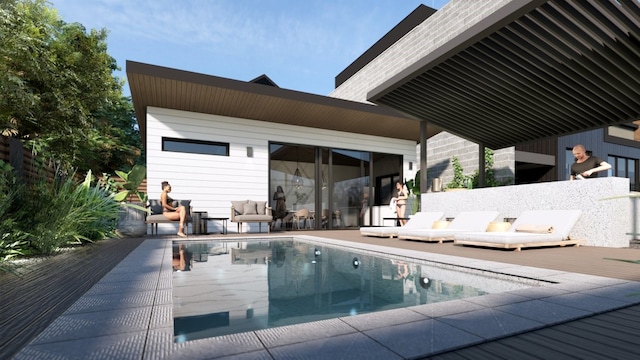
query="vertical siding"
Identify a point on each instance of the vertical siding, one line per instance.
(594, 141)
(211, 182)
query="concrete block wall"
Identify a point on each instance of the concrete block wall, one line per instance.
(442, 147)
(447, 23)
(450, 21)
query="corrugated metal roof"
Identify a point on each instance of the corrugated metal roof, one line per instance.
(529, 71)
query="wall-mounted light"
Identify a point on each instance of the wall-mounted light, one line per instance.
(355, 263)
(317, 252)
(410, 165)
(249, 151)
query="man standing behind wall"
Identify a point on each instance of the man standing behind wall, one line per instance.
(586, 166)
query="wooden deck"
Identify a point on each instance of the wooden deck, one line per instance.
(47, 289)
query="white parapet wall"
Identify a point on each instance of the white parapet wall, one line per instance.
(605, 223)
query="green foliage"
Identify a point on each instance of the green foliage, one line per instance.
(12, 238)
(57, 91)
(40, 217)
(459, 179)
(414, 184)
(64, 212)
(130, 184)
(489, 177)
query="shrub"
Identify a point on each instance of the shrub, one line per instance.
(64, 212)
(12, 239)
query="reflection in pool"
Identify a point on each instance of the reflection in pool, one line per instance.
(223, 288)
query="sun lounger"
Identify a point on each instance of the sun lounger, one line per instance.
(534, 228)
(465, 221)
(420, 220)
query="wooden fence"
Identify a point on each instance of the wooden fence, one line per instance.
(24, 163)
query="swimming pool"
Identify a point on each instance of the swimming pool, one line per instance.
(222, 288)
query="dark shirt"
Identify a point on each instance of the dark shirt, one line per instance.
(591, 163)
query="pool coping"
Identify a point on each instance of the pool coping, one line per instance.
(128, 315)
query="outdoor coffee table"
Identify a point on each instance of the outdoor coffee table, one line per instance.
(222, 219)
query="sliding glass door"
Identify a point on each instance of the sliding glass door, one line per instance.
(335, 186)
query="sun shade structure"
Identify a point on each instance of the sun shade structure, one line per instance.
(531, 70)
(169, 88)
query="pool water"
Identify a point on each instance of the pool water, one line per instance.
(222, 288)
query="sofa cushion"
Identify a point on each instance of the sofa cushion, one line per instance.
(155, 206)
(261, 207)
(238, 206)
(187, 205)
(254, 218)
(250, 208)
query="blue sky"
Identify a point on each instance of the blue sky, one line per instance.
(300, 44)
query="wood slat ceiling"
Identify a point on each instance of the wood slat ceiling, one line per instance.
(163, 87)
(553, 68)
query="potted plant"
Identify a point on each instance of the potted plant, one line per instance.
(131, 222)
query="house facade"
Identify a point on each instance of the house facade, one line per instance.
(453, 82)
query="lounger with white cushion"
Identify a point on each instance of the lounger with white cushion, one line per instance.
(420, 220)
(533, 228)
(466, 221)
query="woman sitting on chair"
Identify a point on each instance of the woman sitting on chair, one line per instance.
(171, 212)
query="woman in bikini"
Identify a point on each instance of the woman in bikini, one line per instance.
(170, 212)
(401, 202)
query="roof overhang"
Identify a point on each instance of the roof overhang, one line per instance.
(168, 88)
(531, 70)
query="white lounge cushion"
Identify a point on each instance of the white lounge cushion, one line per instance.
(419, 220)
(507, 237)
(464, 221)
(562, 222)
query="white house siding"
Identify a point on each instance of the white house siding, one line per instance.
(211, 182)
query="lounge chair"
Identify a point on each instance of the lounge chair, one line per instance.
(420, 220)
(533, 228)
(466, 221)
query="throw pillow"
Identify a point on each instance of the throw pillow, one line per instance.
(250, 208)
(261, 207)
(187, 205)
(155, 206)
(239, 206)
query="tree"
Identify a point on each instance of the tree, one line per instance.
(58, 93)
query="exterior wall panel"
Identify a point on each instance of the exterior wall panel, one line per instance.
(211, 181)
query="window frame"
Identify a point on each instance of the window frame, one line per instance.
(214, 144)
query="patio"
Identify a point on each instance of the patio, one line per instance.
(128, 315)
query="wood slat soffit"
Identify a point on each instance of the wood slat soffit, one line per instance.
(560, 68)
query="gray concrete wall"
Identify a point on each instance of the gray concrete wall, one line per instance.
(602, 223)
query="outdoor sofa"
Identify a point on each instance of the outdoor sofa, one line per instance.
(156, 216)
(249, 211)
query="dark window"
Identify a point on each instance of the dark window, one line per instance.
(195, 146)
(624, 167)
